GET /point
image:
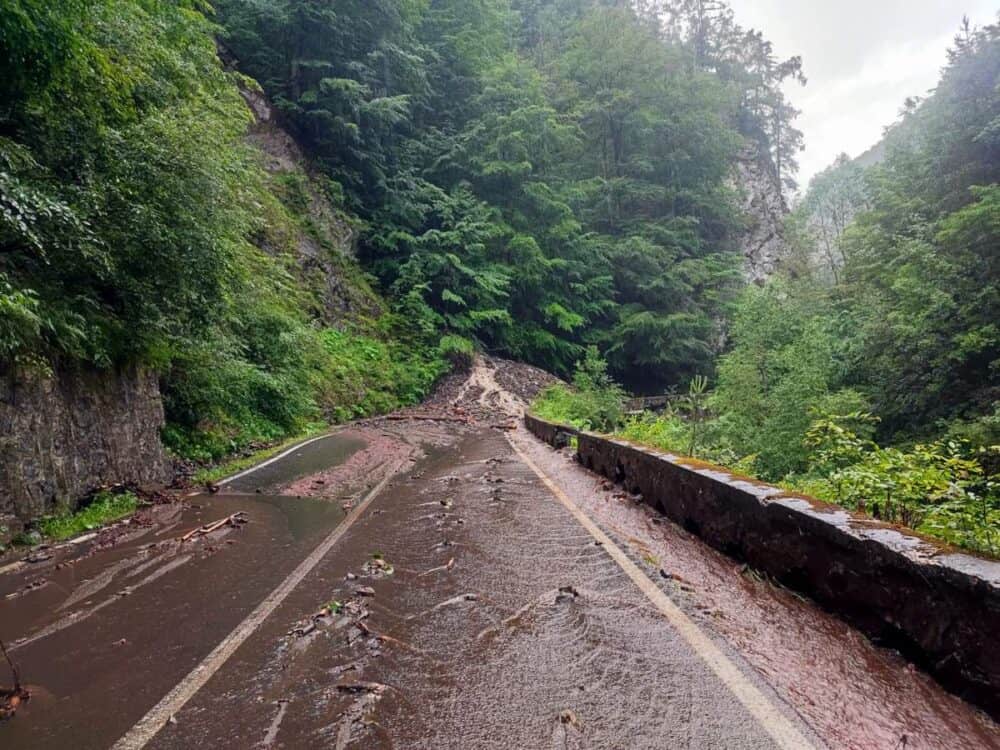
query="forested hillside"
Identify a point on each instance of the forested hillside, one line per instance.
(535, 176)
(528, 177)
(867, 372)
(555, 181)
(139, 227)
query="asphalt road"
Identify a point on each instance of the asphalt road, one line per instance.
(435, 585)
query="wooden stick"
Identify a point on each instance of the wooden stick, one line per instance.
(13, 669)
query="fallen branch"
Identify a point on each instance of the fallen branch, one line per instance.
(11, 699)
(234, 520)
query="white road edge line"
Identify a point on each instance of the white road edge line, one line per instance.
(773, 721)
(149, 725)
(280, 456)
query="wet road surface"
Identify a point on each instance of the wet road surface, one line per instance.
(465, 607)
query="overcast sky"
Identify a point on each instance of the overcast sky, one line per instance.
(862, 58)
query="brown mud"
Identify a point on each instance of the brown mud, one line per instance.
(855, 694)
(465, 608)
(500, 625)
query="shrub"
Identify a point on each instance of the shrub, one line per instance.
(593, 403)
(104, 508)
(457, 350)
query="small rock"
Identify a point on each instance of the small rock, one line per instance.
(566, 594)
(568, 717)
(351, 577)
(365, 591)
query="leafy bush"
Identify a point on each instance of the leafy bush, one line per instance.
(939, 488)
(104, 508)
(287, 377)
(365, 375)
(593, 403)
(459, 351)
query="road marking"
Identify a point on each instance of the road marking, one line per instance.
(773, 721)
(148, 726)
(280, 456)
(268, 462)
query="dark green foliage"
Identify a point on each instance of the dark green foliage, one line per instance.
(922, 278)
(122, 183)
(131, 216)
(535, 176)
(893, 302)
(890, 305)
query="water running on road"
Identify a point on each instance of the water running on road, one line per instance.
(466, 608)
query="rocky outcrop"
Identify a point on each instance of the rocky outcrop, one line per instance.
(325, 243)
(65, 435)
(762, 241)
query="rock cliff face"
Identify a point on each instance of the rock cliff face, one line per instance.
(325, 245)
(61, 437)
(762, 242)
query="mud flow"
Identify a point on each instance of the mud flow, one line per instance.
(462, 606)
(467, 610)
(314, 458)
(100, 635)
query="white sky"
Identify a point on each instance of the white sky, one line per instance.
(862, 58)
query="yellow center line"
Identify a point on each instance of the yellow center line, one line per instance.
(771, 719)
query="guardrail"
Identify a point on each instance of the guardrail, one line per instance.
(938, 606)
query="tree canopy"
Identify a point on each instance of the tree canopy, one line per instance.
(538, 175)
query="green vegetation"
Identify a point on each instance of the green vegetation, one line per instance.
(531, 177)
(943, 489)
(886, 312)
(550, 180)
(103, 508)
(138, 226)
(593, 403)
(534, 176)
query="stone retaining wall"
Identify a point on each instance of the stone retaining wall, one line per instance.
(938, 606)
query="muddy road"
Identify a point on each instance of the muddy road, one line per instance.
(440, 580)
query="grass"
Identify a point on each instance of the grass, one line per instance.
(105, 508)
(228, 468)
